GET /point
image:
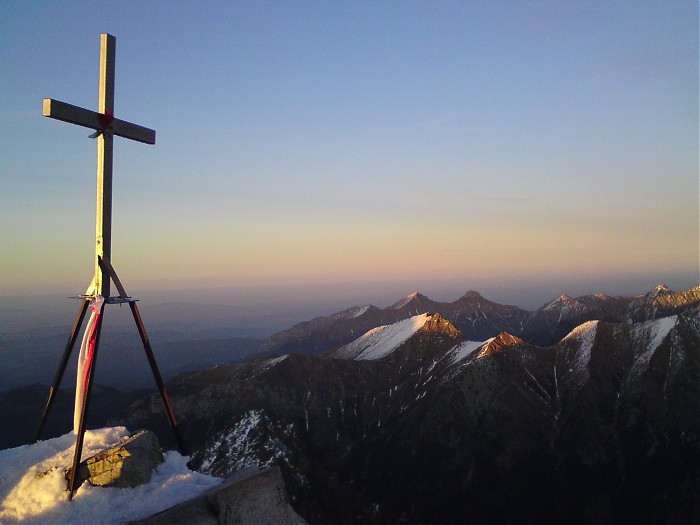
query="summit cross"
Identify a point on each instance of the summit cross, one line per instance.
(106, 126)
(98, 293)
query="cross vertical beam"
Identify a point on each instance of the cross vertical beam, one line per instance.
(105, 142)
(107, 127)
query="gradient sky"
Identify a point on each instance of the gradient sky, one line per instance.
(476, 143)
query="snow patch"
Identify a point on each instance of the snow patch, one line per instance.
(654, 332)
(243, 443)
(27, 495)
(381, 341)
(562, 301)
(659, 329)
(462, 351)
(585, 335)
(349, 313)
(403, 302)
(360, 311)
(277, 360)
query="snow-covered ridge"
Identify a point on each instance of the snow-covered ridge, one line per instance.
(361, 310)
(33, 484)
(661, 289)
(463, 350)
(403, 302)
(565, 305)
(583, 331)
(646, 337)
(585, 335)
(563, 299)
(653, 334)
(381, 341)
(349, 313)
(658, 330)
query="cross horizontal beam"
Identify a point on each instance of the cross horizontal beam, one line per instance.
(91, 119)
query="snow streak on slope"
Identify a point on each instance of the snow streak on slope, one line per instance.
(360, 311)
(33, 484)
(381, 341)
(646, 338)
(274, 361)
(403, 302)
(659, 329)
(653, 333)
(463, 350)
(585, 334)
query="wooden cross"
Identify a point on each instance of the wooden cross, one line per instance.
(107, 126)
(104, 122)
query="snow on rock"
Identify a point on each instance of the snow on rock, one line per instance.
(646, 338)
(585, 335)
(274, 361)
(360, 311)
(566, 307)
(251, 441)
(403, 302)
(381, 341)
(349, 313)
(463, 350)
(661, 289)
(659, 329)
(238, 439)
(562, 301)
(653, 334)
(33, 484)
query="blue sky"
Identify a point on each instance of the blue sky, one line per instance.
(473, 144)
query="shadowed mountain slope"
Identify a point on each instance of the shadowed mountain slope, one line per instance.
(413, 423)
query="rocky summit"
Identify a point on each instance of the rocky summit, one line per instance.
(415, 420)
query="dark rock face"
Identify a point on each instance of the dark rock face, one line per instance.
(601, 427)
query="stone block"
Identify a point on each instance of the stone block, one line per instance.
(127, 464)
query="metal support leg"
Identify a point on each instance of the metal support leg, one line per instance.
(84, 409)
(62, 367)
(159, 380)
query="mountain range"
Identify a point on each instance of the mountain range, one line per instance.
(584, 411)
(478, 318)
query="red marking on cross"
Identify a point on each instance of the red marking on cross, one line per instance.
(106, 118)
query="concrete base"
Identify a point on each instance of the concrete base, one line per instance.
(248, 497)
